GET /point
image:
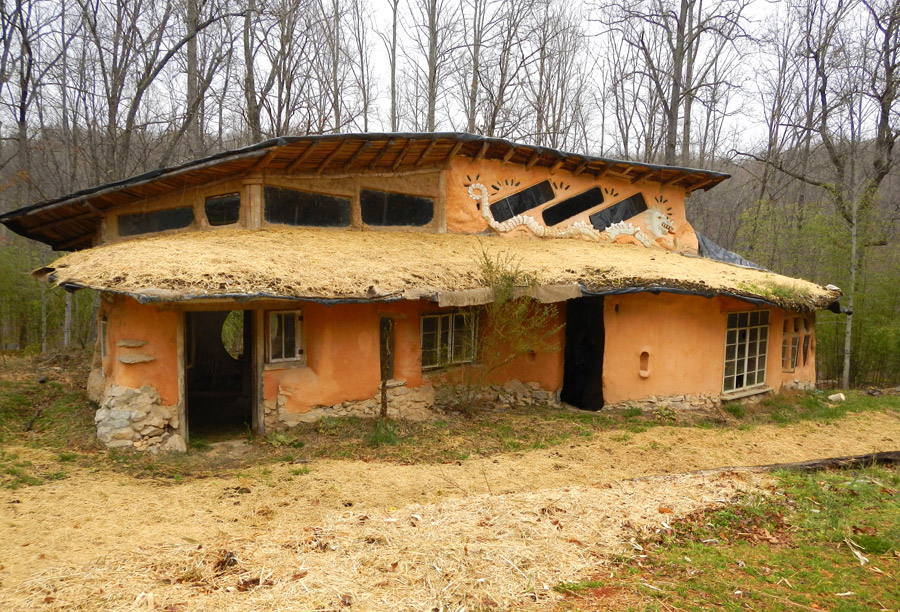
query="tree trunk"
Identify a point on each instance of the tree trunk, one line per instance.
(253, 121)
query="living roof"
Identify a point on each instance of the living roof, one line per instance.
(70, 222)
(337, 265)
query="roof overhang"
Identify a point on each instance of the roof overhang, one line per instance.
(336, 266)
(70, 222)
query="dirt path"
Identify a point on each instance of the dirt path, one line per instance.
(487, 532)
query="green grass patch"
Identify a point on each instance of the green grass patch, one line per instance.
(384, 433)
(791, 549)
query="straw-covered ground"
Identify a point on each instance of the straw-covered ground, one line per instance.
(488, 533)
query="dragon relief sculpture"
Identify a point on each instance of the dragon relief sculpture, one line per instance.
(656, 223)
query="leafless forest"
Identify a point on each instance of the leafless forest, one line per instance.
(797, 99)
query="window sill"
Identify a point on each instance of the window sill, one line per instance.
(285, 365)
(733, 395)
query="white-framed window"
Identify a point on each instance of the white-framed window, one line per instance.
(746, 349)
(448, 339)
(284, 335)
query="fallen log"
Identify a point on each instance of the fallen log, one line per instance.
(884, 458)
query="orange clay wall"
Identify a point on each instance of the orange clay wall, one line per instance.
(463, 215)
(343, 364)
(126, 319)
(685, 339)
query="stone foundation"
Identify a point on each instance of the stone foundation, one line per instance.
(135, 418)
(423, 403)
(700, 402)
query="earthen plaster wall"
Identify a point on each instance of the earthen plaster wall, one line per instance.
(684, 338)
(502, 180)
(141, 346)
(343, 360)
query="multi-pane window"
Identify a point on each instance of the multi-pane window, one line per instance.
(746, 346)
(285, 335)
(448, 339)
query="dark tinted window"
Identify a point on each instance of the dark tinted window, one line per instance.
(619, 211)
(383, 208)
(561, 211)
(223, 209)
(293, 207)
(155, 221)
(517, 203)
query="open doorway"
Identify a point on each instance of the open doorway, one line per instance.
(585, 339)
(219, 373)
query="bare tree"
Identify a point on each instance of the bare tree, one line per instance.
(853, 51)
(679, 42)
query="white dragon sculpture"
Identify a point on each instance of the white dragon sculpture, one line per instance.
(657, 223)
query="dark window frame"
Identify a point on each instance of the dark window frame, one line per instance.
(299, 338)
(368, 220)
(449, 349)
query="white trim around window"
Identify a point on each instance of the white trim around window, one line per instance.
(746, 350)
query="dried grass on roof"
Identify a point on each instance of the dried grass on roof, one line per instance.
(316, 263)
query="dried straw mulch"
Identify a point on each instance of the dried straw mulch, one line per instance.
(318, 263)
(487, 533)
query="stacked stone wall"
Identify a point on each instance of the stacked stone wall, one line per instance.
(135, 418)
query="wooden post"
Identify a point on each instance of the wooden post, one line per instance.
(253, 188)
(182, 388)
(259, 355)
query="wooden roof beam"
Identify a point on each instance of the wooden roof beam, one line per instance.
(557, 165)
(581, 167)
(387, 147)
(456, 147)
(403, 153)
(533, 159)
(302, 157)
(266, 160)
(603, 172)
(482, 151)
(85, 215)
(425, 153)
(330, 157)
(509, 154)
(362, 149)
(640, 175)
(72, 242)
(702, 183)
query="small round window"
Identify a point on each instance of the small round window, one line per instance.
(233, 334)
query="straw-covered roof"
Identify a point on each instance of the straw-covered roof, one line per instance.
(321, 264)
(70, 222)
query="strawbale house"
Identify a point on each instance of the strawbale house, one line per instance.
(285, 281)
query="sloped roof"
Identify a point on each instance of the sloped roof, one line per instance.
(336, 265)
(70, 222)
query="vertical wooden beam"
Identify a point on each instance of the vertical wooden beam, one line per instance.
(180, 352)
(253, 209)
(259, 357)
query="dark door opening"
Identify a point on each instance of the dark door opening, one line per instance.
(219, 372)
(583, 366)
